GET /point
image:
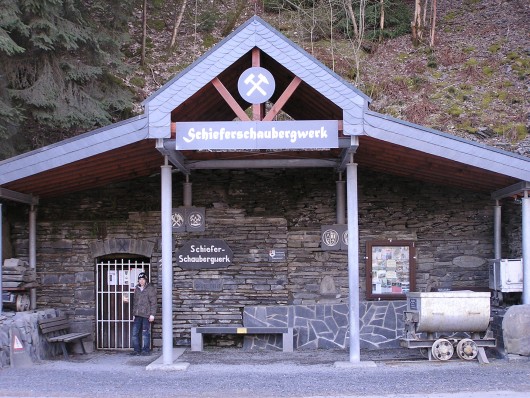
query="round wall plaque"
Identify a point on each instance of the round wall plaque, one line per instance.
(256, 85)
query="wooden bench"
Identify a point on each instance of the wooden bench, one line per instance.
(57, 330)
(198, 332)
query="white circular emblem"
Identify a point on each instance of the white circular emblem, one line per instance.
(256, 85)
(330, 237)
(195, 219)
(345, 237)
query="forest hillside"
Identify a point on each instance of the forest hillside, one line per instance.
(474, 81)
(67, 67)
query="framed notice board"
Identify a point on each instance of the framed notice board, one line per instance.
(390, 269)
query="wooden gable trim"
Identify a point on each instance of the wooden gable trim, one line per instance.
(230, 100)
(258, 110)
(277, 107)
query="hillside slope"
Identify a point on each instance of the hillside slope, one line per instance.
(474, 83)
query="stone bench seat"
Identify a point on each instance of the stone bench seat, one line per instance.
(198, 332)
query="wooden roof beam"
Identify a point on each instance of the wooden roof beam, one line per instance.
(230, 100)
(258, 110)
(277, 107)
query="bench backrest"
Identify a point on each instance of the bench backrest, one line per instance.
(57, 324)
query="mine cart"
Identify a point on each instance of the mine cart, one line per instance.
(432, 319)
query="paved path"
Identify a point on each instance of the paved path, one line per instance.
(221, 373)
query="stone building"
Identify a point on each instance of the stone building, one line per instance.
(162, 192)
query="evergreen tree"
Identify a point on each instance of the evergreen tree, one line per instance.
(60, 69)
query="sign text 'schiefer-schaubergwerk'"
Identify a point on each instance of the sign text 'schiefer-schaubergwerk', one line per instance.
(305, 134)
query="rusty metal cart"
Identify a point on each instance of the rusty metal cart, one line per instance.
(433, 319)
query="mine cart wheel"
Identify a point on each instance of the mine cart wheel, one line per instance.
(442, 349)
(467, 349)
(22, 303)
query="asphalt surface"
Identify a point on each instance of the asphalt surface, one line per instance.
(234, 373)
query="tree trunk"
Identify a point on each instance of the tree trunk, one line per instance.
(433, 22)
(382, 20)
(357, 41)
(144, 32)
(417, 28)
(353, 18)
(176, 25)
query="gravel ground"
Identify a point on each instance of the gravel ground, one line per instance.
(231, 372)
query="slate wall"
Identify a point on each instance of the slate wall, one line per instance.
(255, 211)
(33, 342)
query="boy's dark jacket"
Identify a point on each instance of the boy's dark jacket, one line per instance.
(144, 303)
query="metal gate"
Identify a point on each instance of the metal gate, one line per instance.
(115, 281)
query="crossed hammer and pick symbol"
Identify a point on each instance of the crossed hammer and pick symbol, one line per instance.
(256, 85)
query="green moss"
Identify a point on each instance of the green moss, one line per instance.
(437, 74)
(158, 24)
(504, 84)
(209, 40)
(137, 81)
(416, 82)
(431, 62)
(468, 50)
(511, 131)
(149, 42)
(437, 95)
(494, 48)
(471, 63)
(500, 130)
(502, 95)
(488, 71)
(521, 131)
(402, 57)
(487, 99)
(467, 127)
(450, 16)
(522, 67)
(455, 110)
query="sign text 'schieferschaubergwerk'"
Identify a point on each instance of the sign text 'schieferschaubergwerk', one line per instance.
(204, 253)
(304, 134)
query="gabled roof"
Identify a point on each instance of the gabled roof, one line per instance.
(128, 149)
(255, 33)
(74, 149)
(439, 144)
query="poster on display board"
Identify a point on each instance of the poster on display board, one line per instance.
(390, 269)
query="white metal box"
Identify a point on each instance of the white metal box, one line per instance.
(506, 275)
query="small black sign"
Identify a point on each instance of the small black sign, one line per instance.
(204, 253)
(413, 304)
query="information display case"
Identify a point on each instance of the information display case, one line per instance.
(390, 269)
